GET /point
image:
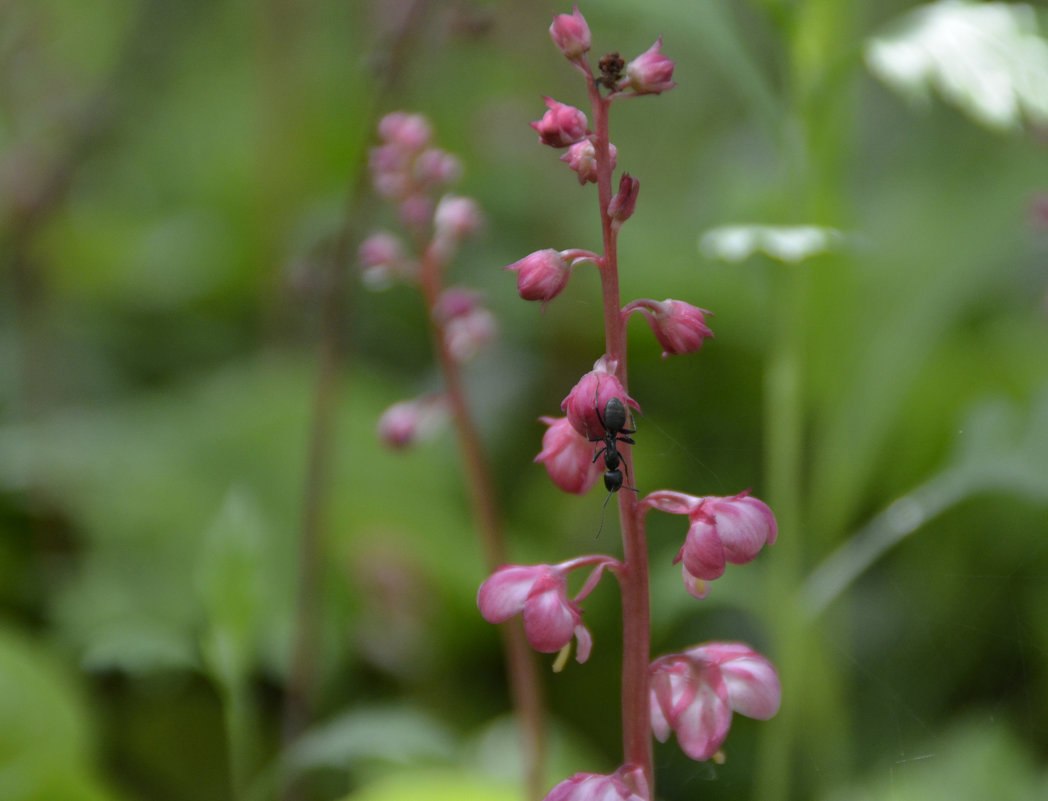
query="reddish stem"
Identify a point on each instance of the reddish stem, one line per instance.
(520, 663)
(636, 622)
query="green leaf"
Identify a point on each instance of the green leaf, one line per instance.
(229, 584)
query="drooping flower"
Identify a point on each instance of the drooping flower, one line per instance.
(695, 692)
(561, 125)
(407, 422)
(650, 73)
(539, 594)
(624, 202)
(568, 456)
(383, 260)
(467, 325)
(582, 158)
(678, 326)
(541, 275)
(622, 785)
(722, 530)
(588, 399)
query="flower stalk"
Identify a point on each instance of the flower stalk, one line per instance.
(693, 693)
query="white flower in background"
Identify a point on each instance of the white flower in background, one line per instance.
(986, 58)
(789, 243)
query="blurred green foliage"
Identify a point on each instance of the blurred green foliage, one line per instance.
(172, 177)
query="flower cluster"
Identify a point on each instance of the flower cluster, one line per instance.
(693, 693)
(413, 174)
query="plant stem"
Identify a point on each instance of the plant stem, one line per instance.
(636, 618)
(523, 675)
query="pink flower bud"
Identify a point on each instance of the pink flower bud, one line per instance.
(602, 787)
(467, 326)
(588, 399)
(571, 34)
(650, 73)
(541, 275)
(568, 457)
(582, 158)
(561, 126)
(415, 211)
(410, 132)
(539, 593)
(454, 219)
(436, 167)
(678, 326)
(457, 217)
(405, 423)
(382, 260)
(621, 207)
(694, 694)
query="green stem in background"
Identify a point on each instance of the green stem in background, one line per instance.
(783, 425)
(241, 723)
(634, 580)
(813, 140)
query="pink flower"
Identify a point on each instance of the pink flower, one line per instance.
(602, 787)
(722, 530)
(382, 259)
(454, 219)
(539, 593)
(568, 457)
(694, 694)
(571, 34)
(457, 217)
(582, 158)
(586, 402)
(541, 275)
(561, 125)
(650, 73)
(621, 206)
(468, 327)
(407, 422)
(405, 131)
(678, 326)
(435, 167)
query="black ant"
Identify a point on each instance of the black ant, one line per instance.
(615, 431)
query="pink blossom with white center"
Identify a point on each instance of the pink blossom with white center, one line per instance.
(561, 125)
(650, 73)
(625, 784)
(568, 457)
(722, 530)
(539, 594)
(678, 326)
(694, 694)
(582, 158)
(571, 34)
(588, 399)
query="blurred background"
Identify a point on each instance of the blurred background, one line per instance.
(191, 372)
